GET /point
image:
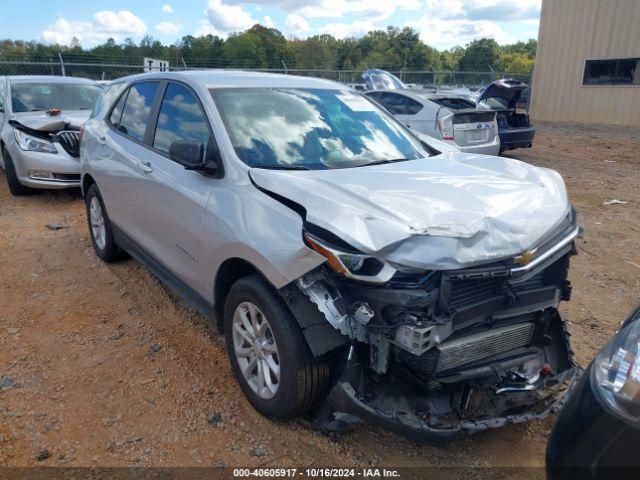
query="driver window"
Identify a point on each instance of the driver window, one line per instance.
(181, 119)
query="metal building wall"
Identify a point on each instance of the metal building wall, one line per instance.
(572, 31)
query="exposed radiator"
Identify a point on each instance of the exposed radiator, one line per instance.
(473, 348)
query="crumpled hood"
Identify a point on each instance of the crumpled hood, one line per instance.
(44, 122)
(450, 211)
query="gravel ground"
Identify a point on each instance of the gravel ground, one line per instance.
(100, 365)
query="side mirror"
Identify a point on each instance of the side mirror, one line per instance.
(190, 154)
(187, 152)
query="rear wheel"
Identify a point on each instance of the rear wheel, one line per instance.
(100, 227)
(15, 187)
(268, 354)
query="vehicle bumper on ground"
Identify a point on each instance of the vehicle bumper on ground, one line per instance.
(492, 148)
(45, 170)
(589, 441)
(516, 138)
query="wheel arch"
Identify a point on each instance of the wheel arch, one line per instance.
(230, 271)
(87, 181)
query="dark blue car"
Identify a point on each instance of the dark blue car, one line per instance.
(598, 433)
(504, 96)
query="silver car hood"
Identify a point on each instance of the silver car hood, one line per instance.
(446, 212)
(44, 122)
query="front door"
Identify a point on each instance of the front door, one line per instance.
(118, 153)
(173, 197)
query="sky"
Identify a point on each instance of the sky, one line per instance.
(441, 23)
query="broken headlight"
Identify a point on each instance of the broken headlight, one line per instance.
(29, 143)
(356, 266)
(616, 371)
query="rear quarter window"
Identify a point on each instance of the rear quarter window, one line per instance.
(108, 96)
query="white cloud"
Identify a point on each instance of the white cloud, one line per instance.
(494, 10)
(447, 23)
(205, 28)
(169, 28)
(447, 33)
(267, 22)
(167, 9)
(373, 10)
(104, 25)
(225, 19)
(296, 25)
(347, 30)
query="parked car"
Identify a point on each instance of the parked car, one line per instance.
(351, 265)
(597, 434)
(40, 120)
(504, 97)
(445, 116)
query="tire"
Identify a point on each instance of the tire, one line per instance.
(15, 187)
(302, 381)
(100, 229)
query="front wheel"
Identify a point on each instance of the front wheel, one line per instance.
(15, 187)
(268, 353)
(100, 227)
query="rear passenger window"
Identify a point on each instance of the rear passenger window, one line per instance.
(399, 104)
(181, 119)
(135, 113)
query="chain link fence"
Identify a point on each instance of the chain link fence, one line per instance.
(111, 71)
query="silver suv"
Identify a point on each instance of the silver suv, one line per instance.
(40, 121)
(350, 264)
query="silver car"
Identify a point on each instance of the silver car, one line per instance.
(355, 269)
(40, 120)
(444, 115)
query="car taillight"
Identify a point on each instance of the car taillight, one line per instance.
(445, 125)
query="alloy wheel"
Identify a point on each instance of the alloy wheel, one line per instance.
(256, 350)
(96, 218)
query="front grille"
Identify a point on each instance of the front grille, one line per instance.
(536, 281)
(473, 348)
(70, 141)
(469, 291)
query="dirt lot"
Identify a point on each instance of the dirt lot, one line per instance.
(101, 366)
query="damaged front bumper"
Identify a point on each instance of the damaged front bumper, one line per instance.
(397, 408)
(57, 169)
(436, 356)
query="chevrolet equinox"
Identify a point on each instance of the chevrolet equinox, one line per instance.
(358, 270)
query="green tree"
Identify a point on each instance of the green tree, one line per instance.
(480, 55)
(244, 51)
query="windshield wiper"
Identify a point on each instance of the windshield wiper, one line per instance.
(382, 162)
(281, 167)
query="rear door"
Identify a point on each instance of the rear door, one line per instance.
(172, 198)
(120, 153)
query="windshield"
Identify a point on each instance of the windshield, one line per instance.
(311, 129)
(34, 97)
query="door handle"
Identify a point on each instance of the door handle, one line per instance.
(146, 167)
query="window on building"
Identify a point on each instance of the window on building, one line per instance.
(622, 71)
